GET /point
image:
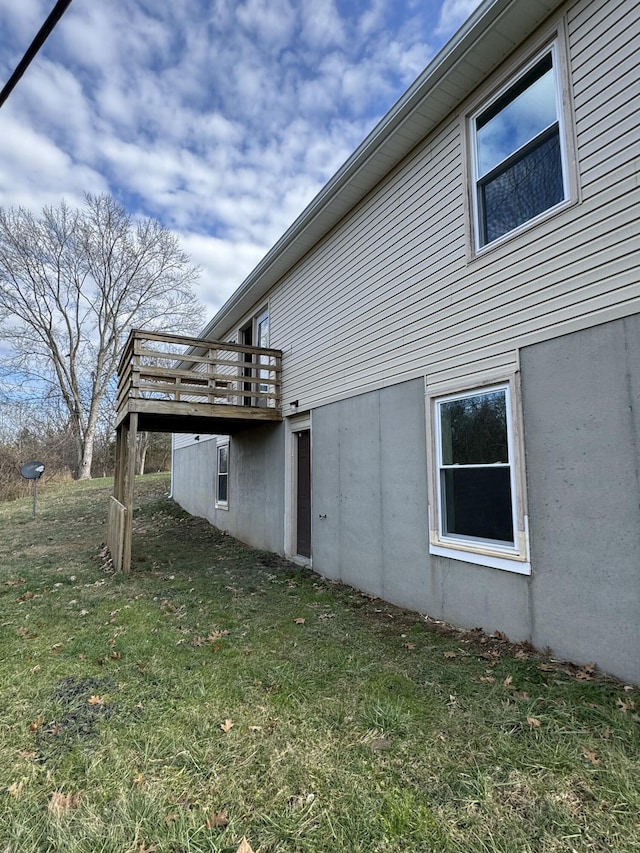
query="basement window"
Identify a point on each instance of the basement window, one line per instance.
(222, 476)
(477, 488)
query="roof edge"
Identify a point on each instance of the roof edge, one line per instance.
(466, 37)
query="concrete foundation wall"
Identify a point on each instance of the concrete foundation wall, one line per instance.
(256, 485)
(193, 485)
(370, 480)
(581, 397)
(581, 405)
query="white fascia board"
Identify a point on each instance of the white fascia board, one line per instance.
(403, 127)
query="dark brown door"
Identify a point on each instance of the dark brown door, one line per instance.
(303, 504)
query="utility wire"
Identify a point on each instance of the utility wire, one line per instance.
(44, 32)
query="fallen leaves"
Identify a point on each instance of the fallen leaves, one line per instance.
(216, 635)
(626, 705)
(63, 802)
(35, 725)
(227, 725)
(590, 756)
(450, 655)
(245, 847)
(585, 673)
(95, 700)
(299, 621)
(534, 722)
(15, 789)
(217, 820)
(26, 596)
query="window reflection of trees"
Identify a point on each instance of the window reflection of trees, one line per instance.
(474, 430)
(525, 187)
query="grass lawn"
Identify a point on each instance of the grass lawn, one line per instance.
(220, 692)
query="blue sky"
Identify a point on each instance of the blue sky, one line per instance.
(222, 119)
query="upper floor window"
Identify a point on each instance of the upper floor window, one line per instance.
(519, 154)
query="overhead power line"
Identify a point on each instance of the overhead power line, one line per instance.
(45, 30)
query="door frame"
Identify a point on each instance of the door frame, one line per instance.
(295, 425)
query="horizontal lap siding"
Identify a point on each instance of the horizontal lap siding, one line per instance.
(181, 440)
(391, 293)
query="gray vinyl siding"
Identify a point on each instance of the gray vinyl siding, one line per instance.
(394, 291)
(181, 440)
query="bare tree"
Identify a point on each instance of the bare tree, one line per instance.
(72, 285)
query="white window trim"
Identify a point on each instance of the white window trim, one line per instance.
(556, 41)
(221, 442)
(514, 558)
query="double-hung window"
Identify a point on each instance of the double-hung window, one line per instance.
(222, 475)
(476, 479)
(518, 149)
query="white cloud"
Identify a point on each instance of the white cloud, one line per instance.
(222, 118)
(35, 172)
(453, 14)
(224, 264)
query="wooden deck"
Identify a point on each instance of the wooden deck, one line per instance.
(171, 383)
(179, 384)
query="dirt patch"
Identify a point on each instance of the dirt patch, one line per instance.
(82, 705)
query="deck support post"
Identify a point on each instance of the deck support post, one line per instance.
(171, 383)
(129, 489)
(119, 473)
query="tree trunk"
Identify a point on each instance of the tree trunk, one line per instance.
(141, 451)
(84, 469)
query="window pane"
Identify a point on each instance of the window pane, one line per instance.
(528, 187)
(515, 119)
(222, 488)
(223, 460)
(477, 503)
(474, 430)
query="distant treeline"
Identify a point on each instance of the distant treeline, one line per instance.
(56, 449)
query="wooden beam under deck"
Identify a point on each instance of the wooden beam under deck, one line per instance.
(207, 419)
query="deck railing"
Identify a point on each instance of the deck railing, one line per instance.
(174, 369)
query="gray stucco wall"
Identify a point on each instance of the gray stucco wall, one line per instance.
(581, 398)
(581, 401)
(370, 479)
(581, 406)
(256, 485)
(193, 486)
(368, 476)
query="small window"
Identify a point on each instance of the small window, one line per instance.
(519, 158)
(262, 340)
(222, 476)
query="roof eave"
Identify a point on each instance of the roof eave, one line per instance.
(488, 36)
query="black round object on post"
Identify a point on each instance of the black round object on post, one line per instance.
(32, 470)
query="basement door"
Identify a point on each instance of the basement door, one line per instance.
(303, 492)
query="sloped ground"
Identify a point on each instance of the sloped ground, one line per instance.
(220, 692)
